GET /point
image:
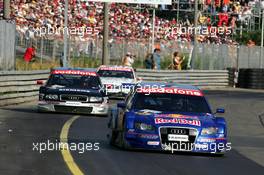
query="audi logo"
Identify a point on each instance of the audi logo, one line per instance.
(73, 98)
(178, 131)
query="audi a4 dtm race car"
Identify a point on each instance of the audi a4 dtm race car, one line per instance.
(73, 91)
(117, 80)
(167, 116)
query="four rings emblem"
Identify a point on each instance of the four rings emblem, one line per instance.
(73, 98)
(178, 131)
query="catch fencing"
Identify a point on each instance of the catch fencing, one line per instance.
(208, 56)
(20, 86)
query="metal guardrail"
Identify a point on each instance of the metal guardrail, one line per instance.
(20, 86)
(200, 78)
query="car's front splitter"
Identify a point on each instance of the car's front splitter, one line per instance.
(82, 108)
(148, 141)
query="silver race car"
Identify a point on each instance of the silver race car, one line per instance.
(117, 80)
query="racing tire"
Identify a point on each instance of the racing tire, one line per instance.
(40, 111)
(122, 141)
(219, 154)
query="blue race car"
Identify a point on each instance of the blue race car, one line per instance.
(167, 116)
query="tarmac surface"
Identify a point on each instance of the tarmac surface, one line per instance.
(23, 130)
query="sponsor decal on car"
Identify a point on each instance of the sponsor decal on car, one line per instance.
(206, 140)
(176, 116)
(74, 90)
(148, 136)
(116, 69)
(178, 121)
(74, 72)
(169, 91)
(143, 136)
(153, 143)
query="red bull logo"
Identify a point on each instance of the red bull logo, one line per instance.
(177, 121)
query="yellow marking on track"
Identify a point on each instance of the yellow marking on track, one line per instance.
(66, 154)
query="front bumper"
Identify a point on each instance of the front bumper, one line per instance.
(73, 107)
(201, 144)
(117, 92)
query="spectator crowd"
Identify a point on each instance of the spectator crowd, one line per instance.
(1, 8)
(128, 22)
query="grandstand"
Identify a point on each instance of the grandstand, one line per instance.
(1, 8)
(135, 21)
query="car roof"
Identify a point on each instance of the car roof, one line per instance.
(168, 85)
(115, 66)
(76, 69)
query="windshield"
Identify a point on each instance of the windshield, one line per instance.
(74, 81)
(116, 74)
(171, 103)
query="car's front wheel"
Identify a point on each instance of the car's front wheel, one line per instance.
(121, 141)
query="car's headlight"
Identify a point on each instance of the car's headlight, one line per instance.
(144, 126)
(209, 131)
(96, 99)
(51, 97)
(41, 96)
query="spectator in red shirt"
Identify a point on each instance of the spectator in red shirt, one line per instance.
(29, 54)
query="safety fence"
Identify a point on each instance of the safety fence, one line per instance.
(21, 86)
(208, 56)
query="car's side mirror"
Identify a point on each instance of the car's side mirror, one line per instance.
(220, 110)
(121, 105)
(139, 78)
(40, 82)
(103, 91)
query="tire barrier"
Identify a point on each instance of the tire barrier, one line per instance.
(232, 74)
(251, 78)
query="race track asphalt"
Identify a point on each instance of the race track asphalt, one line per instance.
(21, 126)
